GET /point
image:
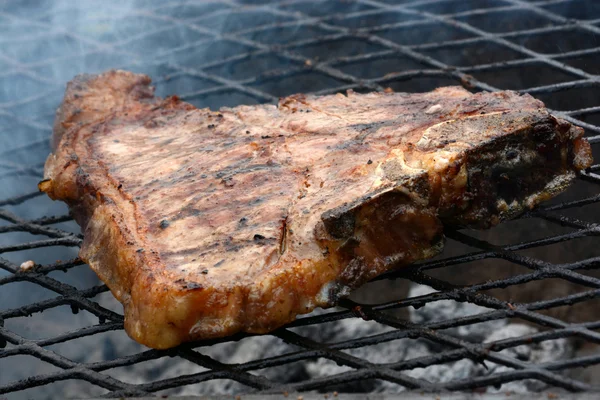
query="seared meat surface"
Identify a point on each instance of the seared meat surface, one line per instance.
(206, 223)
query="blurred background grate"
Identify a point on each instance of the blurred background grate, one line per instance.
(512, 309)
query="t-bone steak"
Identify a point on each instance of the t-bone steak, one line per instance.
(206, 223)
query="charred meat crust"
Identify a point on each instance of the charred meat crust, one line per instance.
(206, 223)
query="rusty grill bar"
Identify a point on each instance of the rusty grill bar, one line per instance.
(326, 46)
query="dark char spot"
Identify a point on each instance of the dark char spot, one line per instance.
(219, 263)
(193, 286)
(511, 153)
(164, 224)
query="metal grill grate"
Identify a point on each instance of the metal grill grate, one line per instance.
(228, 53)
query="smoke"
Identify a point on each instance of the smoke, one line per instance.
(43, 44)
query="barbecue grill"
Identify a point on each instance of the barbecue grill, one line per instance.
(61, 332)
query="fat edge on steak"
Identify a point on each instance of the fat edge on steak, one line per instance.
(207, 223)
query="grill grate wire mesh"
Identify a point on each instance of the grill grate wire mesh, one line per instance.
(328, 47)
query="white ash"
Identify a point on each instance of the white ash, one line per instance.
(450, 309)
(490, 331)
(535, 353)
(355, 328)
(406, 349)
(260, 347)
(390, 352)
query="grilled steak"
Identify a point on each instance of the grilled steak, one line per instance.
(205, 223)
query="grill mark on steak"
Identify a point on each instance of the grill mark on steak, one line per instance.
(239, 170)
(252, 215)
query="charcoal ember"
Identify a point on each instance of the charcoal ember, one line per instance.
(324, 367)
(336, 331)
(488, 331)
(245, 350)
(462, 369)
(449, 309)
(386, 352)
(382, 353)
(534, 353)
